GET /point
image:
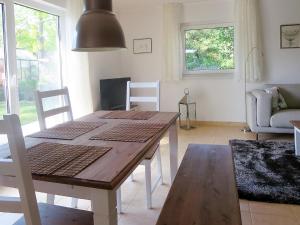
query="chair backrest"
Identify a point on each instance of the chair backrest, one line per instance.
(18, 167)
(143, 85)
(43, 114)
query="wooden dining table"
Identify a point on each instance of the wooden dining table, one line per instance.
(100, 180)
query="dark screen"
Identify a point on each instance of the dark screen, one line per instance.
(113, 93)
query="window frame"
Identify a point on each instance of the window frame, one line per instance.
(10, 44)
(186, 27)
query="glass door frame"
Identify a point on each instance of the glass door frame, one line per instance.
(10, 45)
(10, 56)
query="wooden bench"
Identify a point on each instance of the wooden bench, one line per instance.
(57, 215)
(204, 191)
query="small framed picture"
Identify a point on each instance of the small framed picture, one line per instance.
(143, 45)
(290, 36)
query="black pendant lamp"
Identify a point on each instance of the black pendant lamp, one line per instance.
(98, 28)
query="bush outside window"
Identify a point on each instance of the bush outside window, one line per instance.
(208, 49)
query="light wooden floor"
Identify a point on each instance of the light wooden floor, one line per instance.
(135, 212)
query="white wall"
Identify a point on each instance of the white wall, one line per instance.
(281, 65)
(103, 65)
(219, 97)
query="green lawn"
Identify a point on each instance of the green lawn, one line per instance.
(27, 111)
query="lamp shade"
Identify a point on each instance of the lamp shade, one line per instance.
(98, 28)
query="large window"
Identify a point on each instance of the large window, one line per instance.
(208, 49)
(38, 57)
(30, 57)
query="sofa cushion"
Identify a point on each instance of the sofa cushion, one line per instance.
(291, 94)
(282, 118)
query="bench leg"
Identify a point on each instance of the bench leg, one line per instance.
(148, 183)
(74, 203)
(50, 199)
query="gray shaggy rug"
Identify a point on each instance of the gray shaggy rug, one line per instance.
(267, 171)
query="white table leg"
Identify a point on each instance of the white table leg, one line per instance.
(297, 142)
(104, 204)
(119, 200)
(173, 141)
(148, 184)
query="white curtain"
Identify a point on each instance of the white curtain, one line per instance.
(249, 54)
(77, 74)
(173, 17)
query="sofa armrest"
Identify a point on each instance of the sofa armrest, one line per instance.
(263, 107)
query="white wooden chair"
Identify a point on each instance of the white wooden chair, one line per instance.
(43, 114)
(143, 99)
(155, 151)
(18, 167)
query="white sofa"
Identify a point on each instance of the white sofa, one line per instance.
(260, 117)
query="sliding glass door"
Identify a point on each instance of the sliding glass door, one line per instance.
(30, 57)
(38, 57)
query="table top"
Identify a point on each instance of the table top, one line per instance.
(111, 169)
(296, 123)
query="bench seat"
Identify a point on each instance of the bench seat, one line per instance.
(58, 215)
(204, 191)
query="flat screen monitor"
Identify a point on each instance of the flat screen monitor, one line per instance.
(113, 93)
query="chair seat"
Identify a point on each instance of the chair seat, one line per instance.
(58, 215)
(151, 152)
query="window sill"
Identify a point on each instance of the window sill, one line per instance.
(228, 74)
(208, 72)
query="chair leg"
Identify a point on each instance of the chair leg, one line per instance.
(50, 199)
(74, 203)
(159, 166)
(257, 136)
(119, 201)
(148, 183)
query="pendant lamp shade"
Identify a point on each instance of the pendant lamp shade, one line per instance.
(98, 28)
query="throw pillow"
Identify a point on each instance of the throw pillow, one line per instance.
(281, 101)
(275, 97)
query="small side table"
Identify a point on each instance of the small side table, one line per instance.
(296, 125)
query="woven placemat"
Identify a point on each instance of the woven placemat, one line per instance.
(81, 124)
(130, 132)
(61, 159)
(130, 115)
(68, 131)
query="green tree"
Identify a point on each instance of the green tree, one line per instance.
(35, 30)
(210, 48)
